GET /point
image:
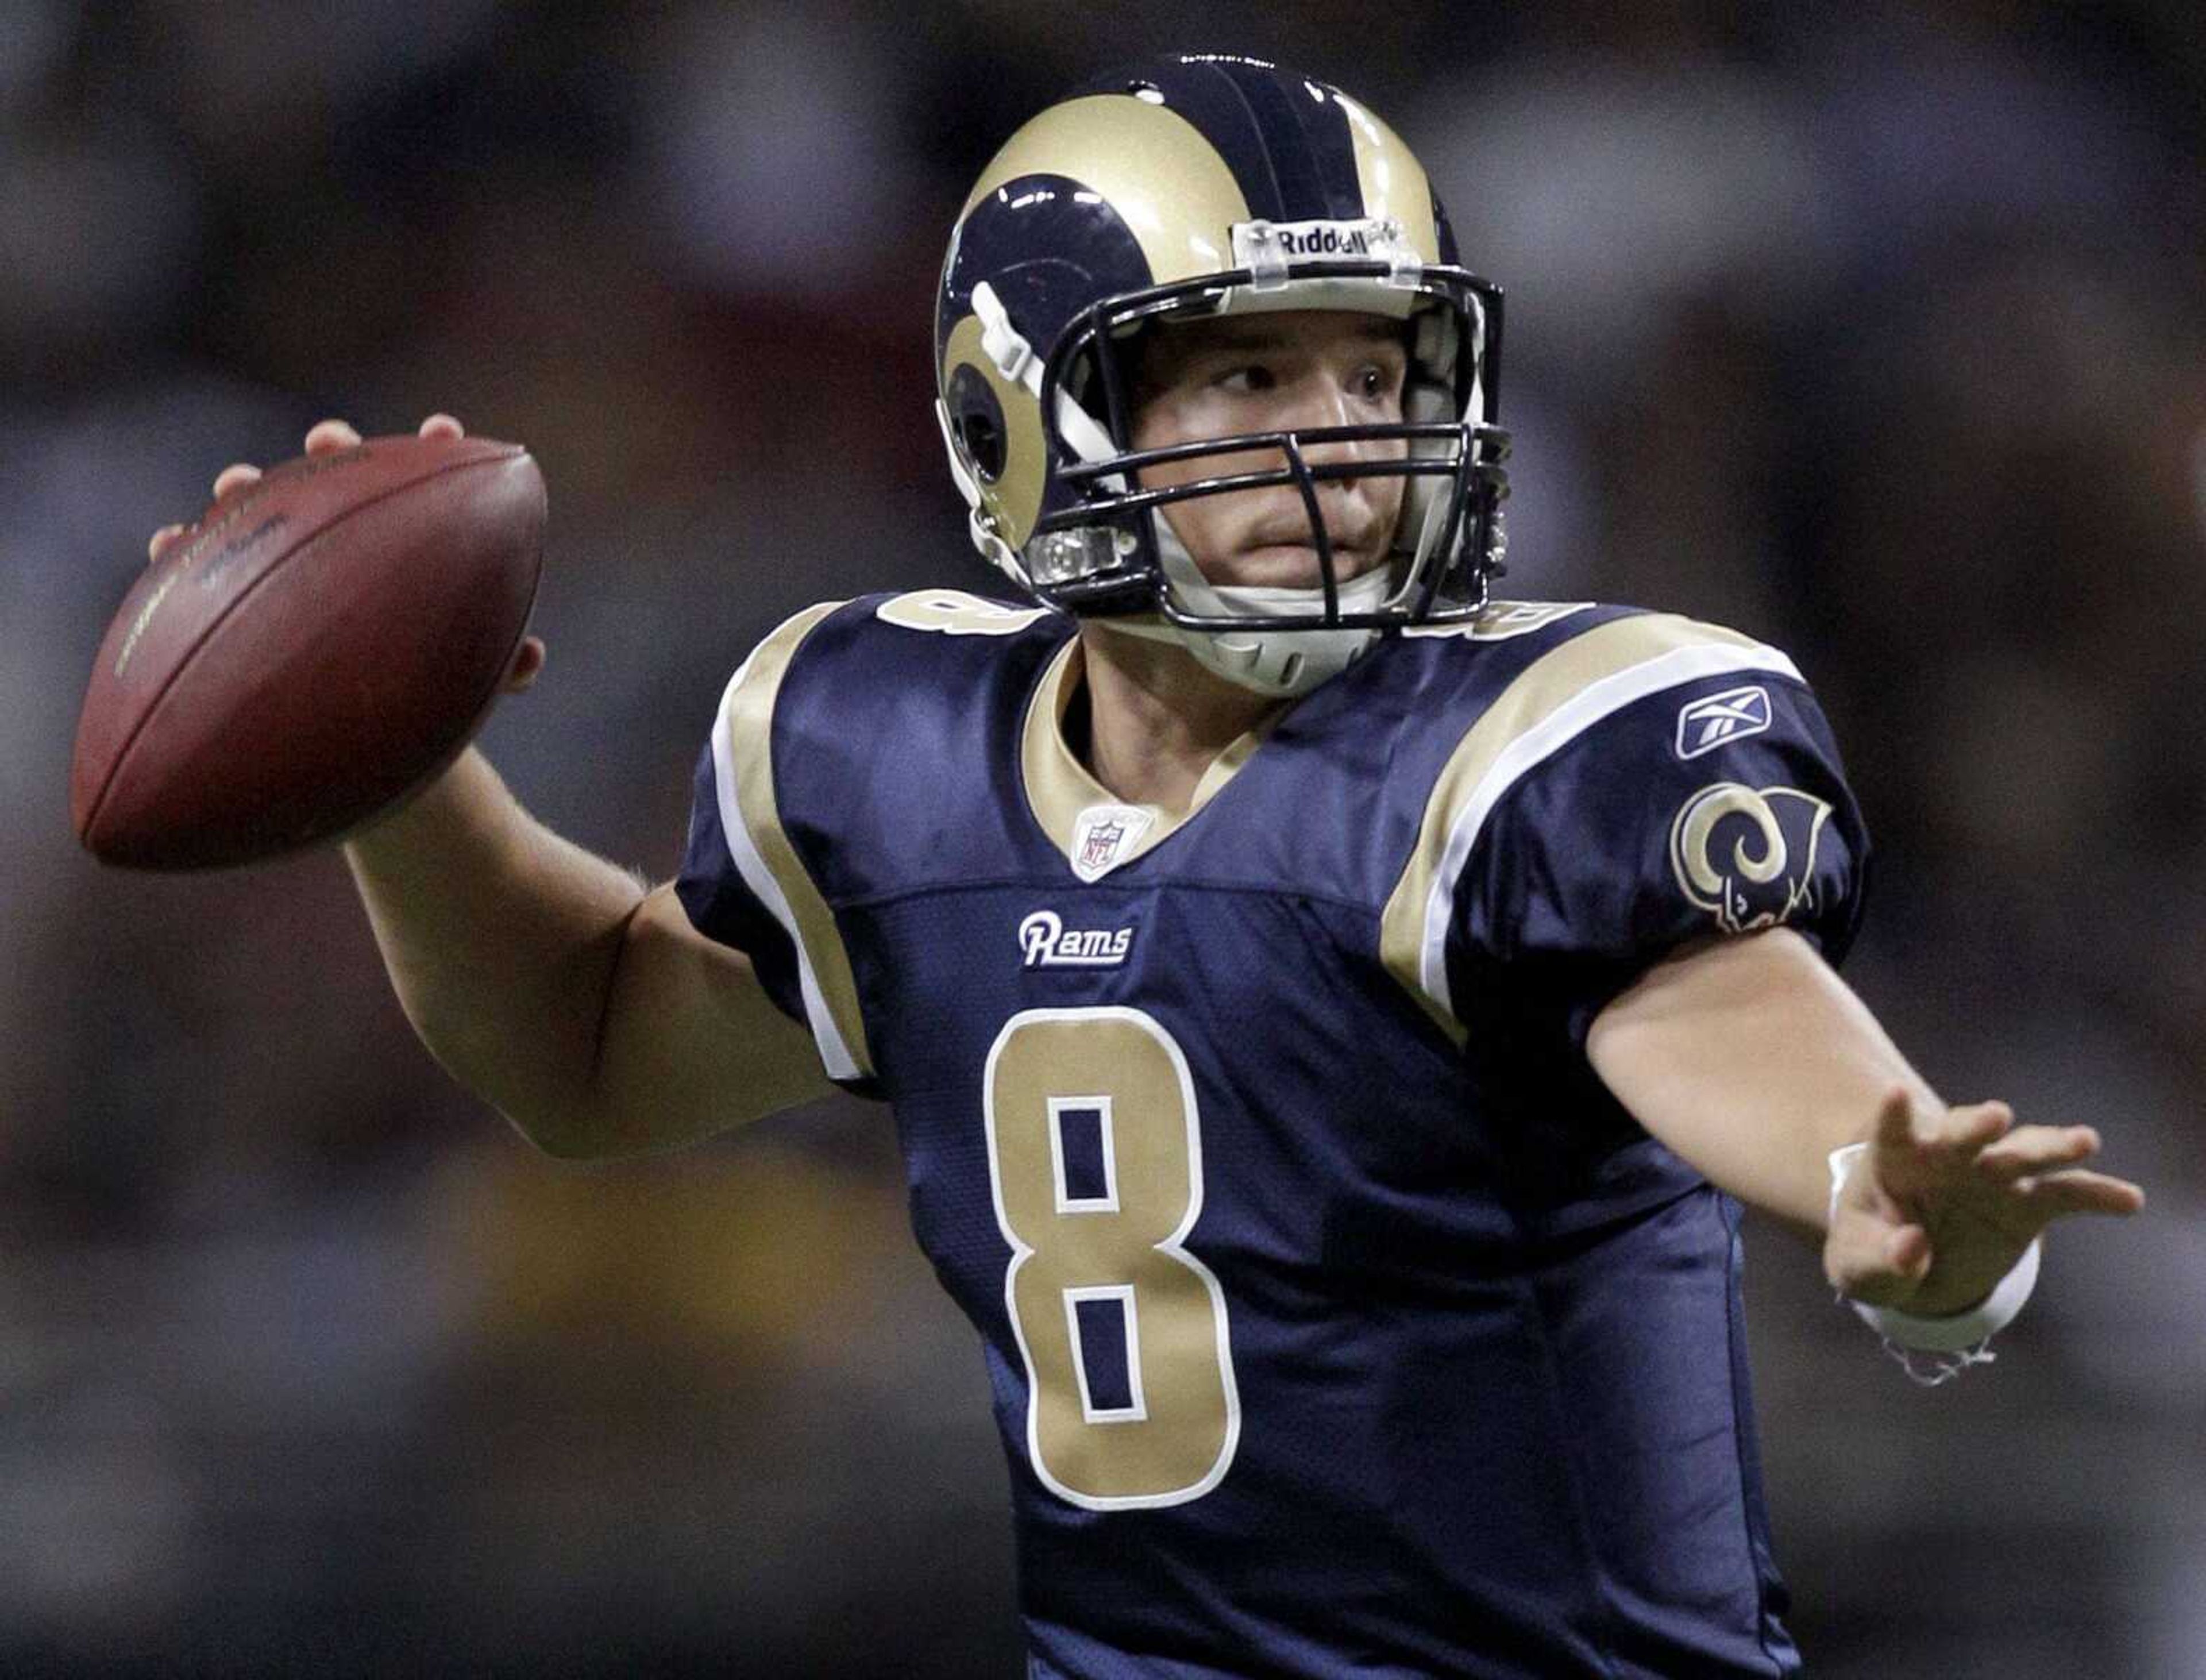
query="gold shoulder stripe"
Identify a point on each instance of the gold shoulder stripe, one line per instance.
(742, 764)
(1555, 700)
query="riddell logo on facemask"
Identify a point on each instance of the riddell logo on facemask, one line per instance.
(1309, 241)
(1324, 241)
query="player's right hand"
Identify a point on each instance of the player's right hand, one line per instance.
(1942, 1205)
(326, 437)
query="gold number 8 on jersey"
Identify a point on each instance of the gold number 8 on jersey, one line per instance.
(1114, 1080)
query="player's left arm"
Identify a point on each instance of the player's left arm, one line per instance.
(1750, 1058)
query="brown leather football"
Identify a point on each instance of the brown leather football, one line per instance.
(319, 645)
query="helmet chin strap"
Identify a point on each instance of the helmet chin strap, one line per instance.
(1279, 664)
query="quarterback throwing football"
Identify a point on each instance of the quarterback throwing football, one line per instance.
(1332, 1018)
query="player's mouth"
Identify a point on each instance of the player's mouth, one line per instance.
(1284, 556)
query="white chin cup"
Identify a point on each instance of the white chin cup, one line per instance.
(1280, 664)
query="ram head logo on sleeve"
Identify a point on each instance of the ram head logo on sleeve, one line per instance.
(1747, 855)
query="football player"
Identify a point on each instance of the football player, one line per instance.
(1332, 1018)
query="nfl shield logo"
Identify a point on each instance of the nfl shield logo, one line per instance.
(1106, 836)
(1102, 842)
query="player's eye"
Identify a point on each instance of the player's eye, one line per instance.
(1374, 383)
(1250, 377)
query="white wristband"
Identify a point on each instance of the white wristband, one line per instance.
(1956, 1331)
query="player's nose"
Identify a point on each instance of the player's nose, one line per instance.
(1315, 401)
(1321, 405)
(1349, 498)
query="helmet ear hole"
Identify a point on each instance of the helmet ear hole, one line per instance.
(985, 443)
(977, 417)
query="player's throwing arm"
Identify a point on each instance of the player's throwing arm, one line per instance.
(548, 981)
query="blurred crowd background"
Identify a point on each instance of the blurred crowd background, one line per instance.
(1878, 330)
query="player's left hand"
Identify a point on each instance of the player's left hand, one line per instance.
(1942, 1205)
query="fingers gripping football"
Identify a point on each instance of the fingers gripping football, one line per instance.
(321, 642)
(1941, 1205)
(323, 438)
(328, 436)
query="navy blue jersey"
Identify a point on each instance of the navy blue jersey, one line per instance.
(1338, 1320)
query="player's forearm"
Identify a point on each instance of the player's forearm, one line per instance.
(1753, 1060)
(502, 940)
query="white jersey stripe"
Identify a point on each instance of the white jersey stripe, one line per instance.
(743, 849)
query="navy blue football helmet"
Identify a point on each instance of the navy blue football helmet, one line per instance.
(1208, 185)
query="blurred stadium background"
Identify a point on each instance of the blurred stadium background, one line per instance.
(1877, 329)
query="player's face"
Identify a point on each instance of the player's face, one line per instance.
(1275, 372)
